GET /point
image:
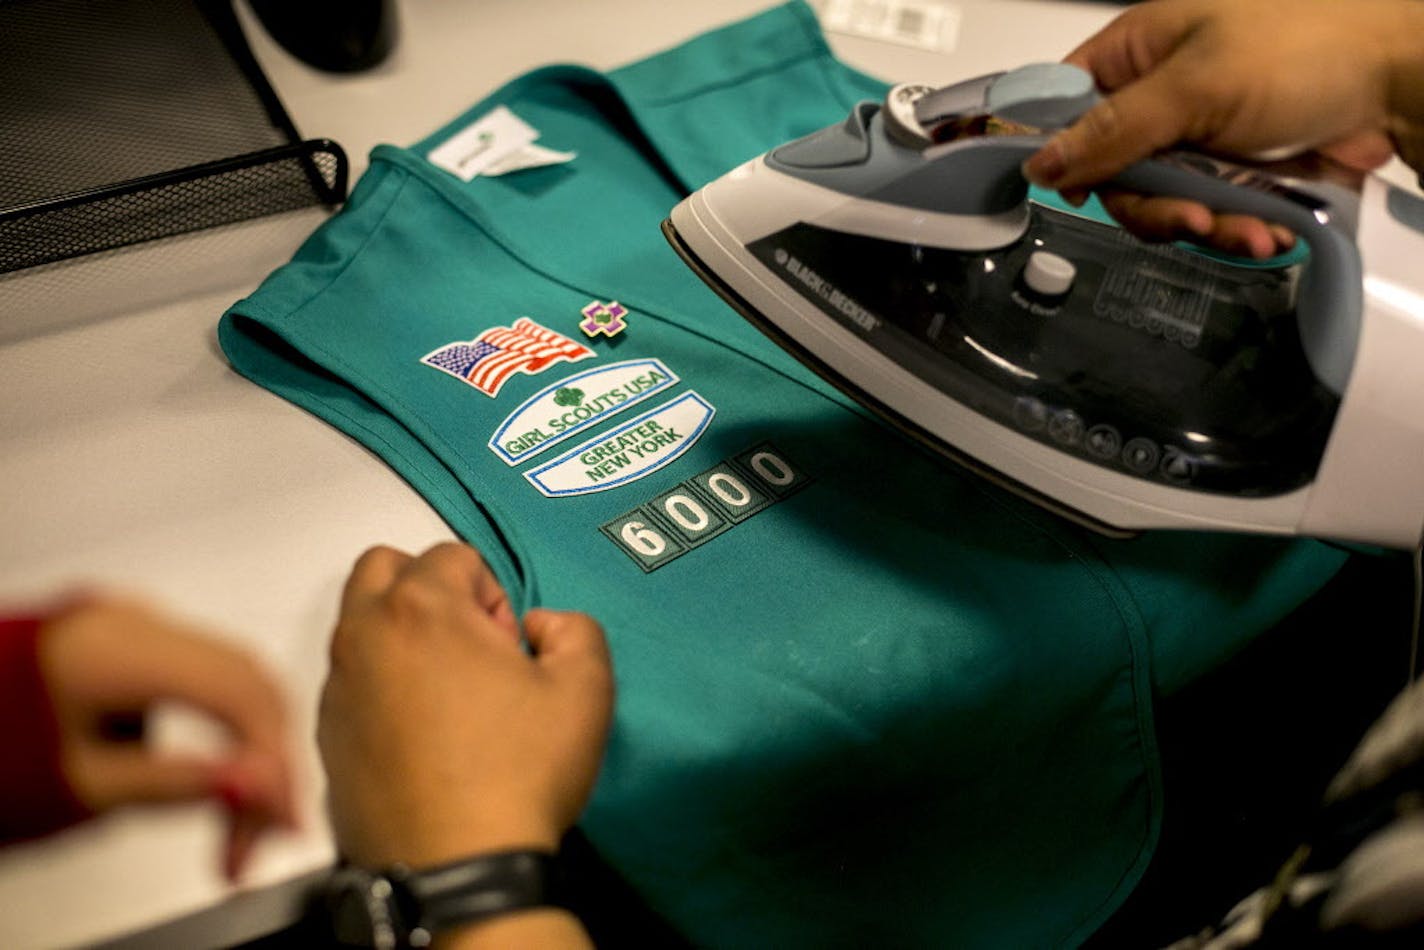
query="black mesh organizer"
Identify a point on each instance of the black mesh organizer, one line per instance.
(127, 120)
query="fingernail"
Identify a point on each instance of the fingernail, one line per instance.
(229, 785)
(231, 793)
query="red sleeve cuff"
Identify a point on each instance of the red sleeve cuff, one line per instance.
(35, 798)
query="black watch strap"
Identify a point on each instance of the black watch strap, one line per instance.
(471, 889)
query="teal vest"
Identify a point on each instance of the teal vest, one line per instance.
(863, 698)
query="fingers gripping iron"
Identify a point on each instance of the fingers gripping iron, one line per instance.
(1129, 386)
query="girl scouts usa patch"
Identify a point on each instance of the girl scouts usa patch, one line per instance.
(490, 359)
(577, 403)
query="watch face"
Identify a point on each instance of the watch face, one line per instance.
(359, 910)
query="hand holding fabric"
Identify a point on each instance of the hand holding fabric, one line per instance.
(441, 735)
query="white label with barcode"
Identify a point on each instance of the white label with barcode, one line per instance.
(923, 23)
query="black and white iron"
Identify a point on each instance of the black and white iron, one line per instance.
(902, 255)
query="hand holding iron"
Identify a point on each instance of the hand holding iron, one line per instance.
(1257, 80)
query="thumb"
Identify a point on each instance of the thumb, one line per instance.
(567, 639)
(1408, 141)
(1127, 126)
(108, 777)
(1364, 151)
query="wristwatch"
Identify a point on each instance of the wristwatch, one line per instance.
(398, 908)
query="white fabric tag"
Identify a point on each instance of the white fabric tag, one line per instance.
(488, 141)
(530, 156)
(927, 24)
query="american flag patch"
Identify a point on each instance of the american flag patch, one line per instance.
(488, 360)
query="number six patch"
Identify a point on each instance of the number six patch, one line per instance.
(704, 506)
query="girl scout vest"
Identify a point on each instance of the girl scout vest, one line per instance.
(863, 697)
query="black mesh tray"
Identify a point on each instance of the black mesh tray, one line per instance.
(127, 120)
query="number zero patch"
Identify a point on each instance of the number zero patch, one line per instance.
(704, 507)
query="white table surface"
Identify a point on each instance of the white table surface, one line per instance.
(132, 456)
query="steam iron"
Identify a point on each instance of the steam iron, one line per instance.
(1126, 385)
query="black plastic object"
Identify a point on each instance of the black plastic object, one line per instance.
(340, 36)
(1159, 363)
(127, 120)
